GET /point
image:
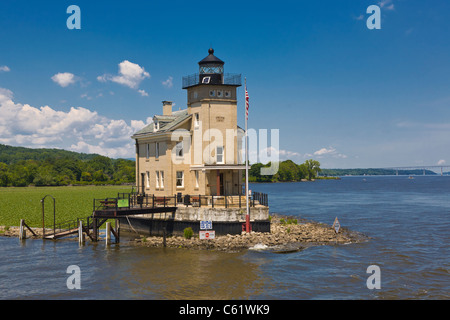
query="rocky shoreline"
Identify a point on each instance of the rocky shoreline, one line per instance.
(288, 234)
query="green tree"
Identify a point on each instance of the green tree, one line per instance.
(4, 176)
(313, 168)
(86, 176)
(45, 177)
(302, 172)
(287, 171)
(99, 176)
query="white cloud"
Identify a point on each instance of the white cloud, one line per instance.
(86, 96)
(4, 69)
(441, 162)
(143, 93)
(330, 151)
(324, 151)
(386, 4)
(130, 75)
(78, 129)
(168, 83)
(64, 79)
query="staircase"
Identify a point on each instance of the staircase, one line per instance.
(67, 228)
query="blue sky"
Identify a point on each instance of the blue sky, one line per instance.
(337, 91)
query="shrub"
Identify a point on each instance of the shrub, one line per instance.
(188, 233)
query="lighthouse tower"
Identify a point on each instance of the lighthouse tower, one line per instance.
(212, 102)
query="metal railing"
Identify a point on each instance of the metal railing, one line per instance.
(228, 79)
(135, 200)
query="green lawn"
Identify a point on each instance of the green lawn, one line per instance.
(71, 203)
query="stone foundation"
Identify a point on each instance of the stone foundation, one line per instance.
(224, 220)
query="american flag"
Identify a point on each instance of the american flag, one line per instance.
(246, 102)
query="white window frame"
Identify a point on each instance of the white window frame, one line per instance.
(222, 155)
(196, 120)
(182, 179)
(161, 177)
(157, 179)
(147, 155)
(156, 150)
(196, 173)
(179, 149)
(147, 179)
(206, 80)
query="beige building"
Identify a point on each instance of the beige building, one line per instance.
(195, 151)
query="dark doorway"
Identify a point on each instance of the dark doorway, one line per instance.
(221, 184)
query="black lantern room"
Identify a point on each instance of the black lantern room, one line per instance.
(211, 69)
(211, 72)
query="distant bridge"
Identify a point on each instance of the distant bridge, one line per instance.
(435, 168)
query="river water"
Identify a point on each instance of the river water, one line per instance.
(407, 220)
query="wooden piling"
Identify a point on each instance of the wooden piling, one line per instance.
(164, 236)
(80, 234)
(117, 235)
(22, 231)
(108, 233)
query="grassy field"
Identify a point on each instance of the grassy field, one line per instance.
(71, 203)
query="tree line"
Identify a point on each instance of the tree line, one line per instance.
(287, 171)
(20, 167)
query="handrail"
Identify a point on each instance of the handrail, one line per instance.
(195, 200)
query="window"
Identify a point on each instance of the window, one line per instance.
(147, 155)
(180, 179)
(212, 93)
(156, 126)
(219, 93)
(156, 150)
(196, 178)
(196, 120)
(179, 149)
(227, 94)
(148, 179)
(206, 80)
(219, 155)
(157, 179)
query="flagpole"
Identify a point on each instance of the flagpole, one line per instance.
(247, 217)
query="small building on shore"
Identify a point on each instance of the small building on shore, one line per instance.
(192, 159)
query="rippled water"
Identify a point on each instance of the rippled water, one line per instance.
(407, 221)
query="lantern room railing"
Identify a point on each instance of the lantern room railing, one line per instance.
(228, 79)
